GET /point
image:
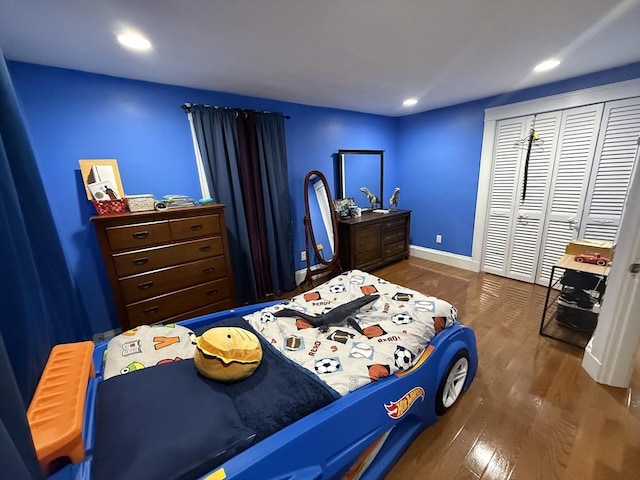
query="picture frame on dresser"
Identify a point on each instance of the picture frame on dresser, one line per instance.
(166, 266)
(100, 173)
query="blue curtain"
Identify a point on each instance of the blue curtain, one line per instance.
(244, 155)
(17, 454)
(40, 306)
(217, 135)
(272, 154)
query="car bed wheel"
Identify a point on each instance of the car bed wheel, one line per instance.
(601, 262)
(452, 382)
(579, 259)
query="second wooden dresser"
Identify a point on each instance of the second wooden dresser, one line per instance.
(374, 239)
(166, 266)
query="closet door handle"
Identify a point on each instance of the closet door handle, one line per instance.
(145, 285)
(151, 310)
(140, 235)
(196, 227)
(140, 261)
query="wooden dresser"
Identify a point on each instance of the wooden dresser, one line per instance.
(374, 239)
(166, 266)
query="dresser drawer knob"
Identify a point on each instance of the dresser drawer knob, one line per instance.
(151, 310)
(212, 292)
(140, 261)
(139, 235)
(206, 248)
(208, 270)
(145, 285)
(196, 227)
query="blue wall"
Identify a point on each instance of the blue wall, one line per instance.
(434, 157)
(72, 115)
(439, 161)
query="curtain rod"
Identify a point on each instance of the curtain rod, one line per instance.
(187, 106)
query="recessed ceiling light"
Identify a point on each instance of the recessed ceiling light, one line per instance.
(134, 41)
(410, 102)
(547, 65)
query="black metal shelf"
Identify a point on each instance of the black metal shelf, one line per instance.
(549, 326)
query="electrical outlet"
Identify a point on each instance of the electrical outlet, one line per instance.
(303, 256)
(438, 238)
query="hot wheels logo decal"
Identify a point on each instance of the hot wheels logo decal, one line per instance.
(398, 408)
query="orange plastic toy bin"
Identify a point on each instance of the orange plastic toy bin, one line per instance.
(56, 412)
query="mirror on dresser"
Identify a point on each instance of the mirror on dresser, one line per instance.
(358, 169)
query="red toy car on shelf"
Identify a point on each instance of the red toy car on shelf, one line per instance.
(594, 258)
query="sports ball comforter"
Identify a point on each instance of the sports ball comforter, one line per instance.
(396, 329)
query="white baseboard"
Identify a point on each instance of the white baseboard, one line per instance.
(300, 275)
(451, 259)
(591, 364)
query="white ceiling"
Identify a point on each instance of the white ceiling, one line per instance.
(362, 55)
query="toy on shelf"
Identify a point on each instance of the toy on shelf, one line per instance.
(595, 259)
(394, 200)
(371, 198)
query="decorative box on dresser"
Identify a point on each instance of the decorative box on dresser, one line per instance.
(374, 239)
(165, 266)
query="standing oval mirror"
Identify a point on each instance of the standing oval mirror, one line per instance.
(360, 177)
(321, 228)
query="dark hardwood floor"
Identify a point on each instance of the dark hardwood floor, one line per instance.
(532, 412)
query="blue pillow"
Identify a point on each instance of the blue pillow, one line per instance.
(164, 422)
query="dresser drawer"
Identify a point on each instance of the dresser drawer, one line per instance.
(211, 308)
(367, 247)
(138, 235)
(171, 305)
(194, 227)
(152, 284)
(131, 263)
(396, 224)
(394, 235)
(393, 249)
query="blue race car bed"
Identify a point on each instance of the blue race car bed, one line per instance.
(344, 403)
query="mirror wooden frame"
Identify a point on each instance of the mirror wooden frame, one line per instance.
(332, 265)
(342, 172)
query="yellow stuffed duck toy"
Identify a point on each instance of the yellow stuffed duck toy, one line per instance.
(227, 354)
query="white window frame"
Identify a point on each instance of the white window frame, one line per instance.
(204, 185)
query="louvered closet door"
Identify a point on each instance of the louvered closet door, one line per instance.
(530, 212)
(507, 160)
(614, 162)
(574, 159)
